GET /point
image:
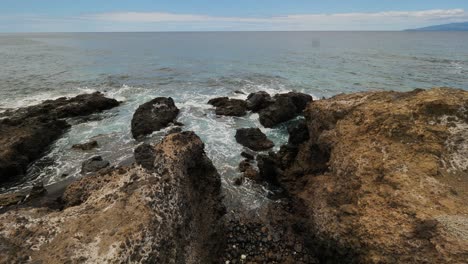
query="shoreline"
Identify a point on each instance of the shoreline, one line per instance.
(349, 161)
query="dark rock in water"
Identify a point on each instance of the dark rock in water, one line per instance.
(27, 132)
(252, 174)
(282, 110)
(144, 155)
(86, 146)
(243, 165)
(174, 130)
(229, 107)
(238, 181)
(300, 100)
(94, 164)
(247, 155)
(298, 132)
(258, 101)
(268, 170)
(253, 138)
(153, 116)
(177, 123)
(219, 101)
(239, 92)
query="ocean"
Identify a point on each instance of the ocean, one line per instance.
(195, 67)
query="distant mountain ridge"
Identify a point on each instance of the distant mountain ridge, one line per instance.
(463, 26)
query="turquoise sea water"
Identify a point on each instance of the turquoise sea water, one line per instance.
(194, 67)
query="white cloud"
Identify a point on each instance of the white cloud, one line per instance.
(163, 21)
(344, 20)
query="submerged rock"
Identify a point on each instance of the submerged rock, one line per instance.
(86, 146)
(253, 138)
(380, 179)
(229, 107)
(94, 164)
(153, 116)
(27, 132)
(167, 213)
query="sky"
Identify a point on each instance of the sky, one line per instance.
(224, 15)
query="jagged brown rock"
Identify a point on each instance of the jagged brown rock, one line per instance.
(384, 177)
(27, 132)
(167, 213)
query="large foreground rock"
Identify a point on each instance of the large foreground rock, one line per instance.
(27, 132)
(165, 213)
(384, 177)
(153, 116)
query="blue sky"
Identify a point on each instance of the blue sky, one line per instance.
(208, 15)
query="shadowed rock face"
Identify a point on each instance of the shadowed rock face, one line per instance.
(27, 132)
(153, 116)
(258, 101)
(253, 138)
(381, 178)
(165, 213)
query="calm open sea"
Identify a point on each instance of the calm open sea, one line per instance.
(194, 67)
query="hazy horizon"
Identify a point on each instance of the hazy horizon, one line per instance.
(208, 15)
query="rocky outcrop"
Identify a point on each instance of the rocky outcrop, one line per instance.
(258, 101)
(153, 116)
(383, 177)
(27, 132)
(253, 138)
(282, 110)
(285, 107)
(300, 100)
(168, 212)
(229, 107)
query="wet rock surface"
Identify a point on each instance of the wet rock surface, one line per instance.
(378, 179)
(153, 116)
(253, 138)
(86, 146)
(282, 110)
(229, 107)
(94, 164)
(258, 101)
(168, 213)
(26, 133)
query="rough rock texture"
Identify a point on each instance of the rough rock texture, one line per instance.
(229, 107)
(169, 213)
(27, 132)
(384, 177)
(258, 101)
(153, 116)
(94, 164)
(285, 107)
(253, 138)
(282, 110)
(300, 100)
